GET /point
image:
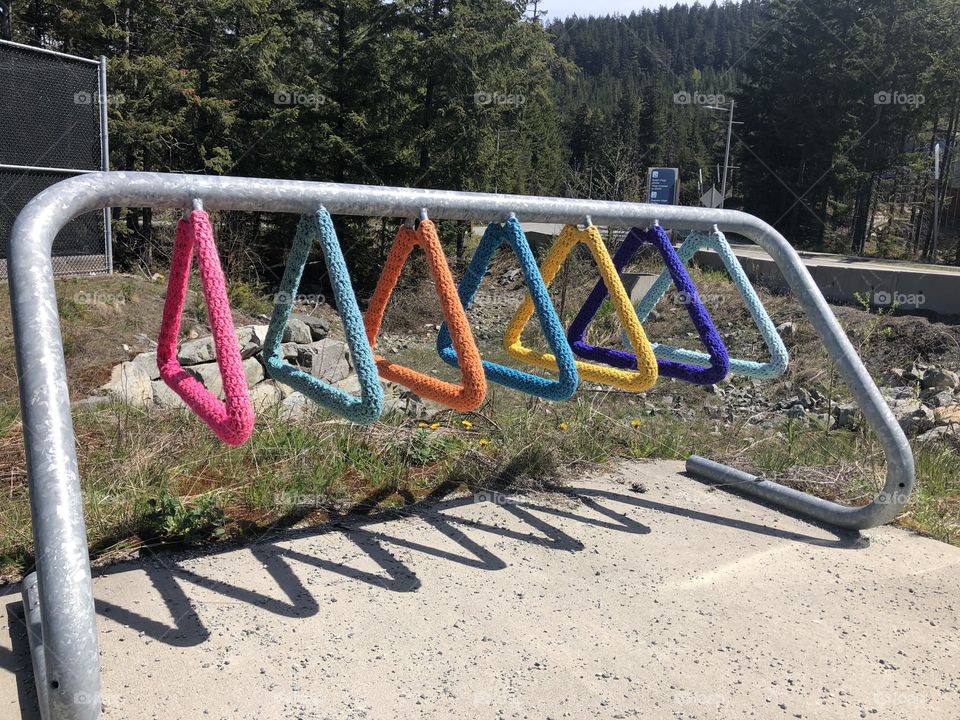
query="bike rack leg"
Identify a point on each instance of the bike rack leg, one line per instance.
(59, 596)
(31, 606)
(887, 504)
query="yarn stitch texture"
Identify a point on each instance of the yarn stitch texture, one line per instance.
(231, 420)
(644, 377)
(366, 408)
(470, 393)
(779, 359)
(512, 234)
(717, 352)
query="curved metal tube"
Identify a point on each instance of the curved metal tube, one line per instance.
(66, 610)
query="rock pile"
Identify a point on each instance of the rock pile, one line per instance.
(926, 402)
(305, 344)
(924, 399)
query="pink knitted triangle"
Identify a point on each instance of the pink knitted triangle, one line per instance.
(232, 420)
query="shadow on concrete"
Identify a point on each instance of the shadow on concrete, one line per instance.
(371, 534)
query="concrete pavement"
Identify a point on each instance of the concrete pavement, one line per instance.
(670, 600)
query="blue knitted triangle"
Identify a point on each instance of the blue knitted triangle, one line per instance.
(512, 234)
(366, 408)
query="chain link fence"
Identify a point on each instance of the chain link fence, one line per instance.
(51, 130)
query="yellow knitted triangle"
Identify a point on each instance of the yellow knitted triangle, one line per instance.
(644, 377)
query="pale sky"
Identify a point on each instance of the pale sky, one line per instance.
(565, 8)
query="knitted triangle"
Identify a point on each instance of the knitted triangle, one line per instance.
(717, 354)
(637, 380)
(512, 235)
(366, 408)
(232, 419)
(716, 241)
(469, 394)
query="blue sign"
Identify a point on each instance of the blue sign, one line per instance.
(663, 186)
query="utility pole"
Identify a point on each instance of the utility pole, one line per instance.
(726, 156)
(936, 203)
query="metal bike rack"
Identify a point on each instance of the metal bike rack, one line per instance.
(59, 599)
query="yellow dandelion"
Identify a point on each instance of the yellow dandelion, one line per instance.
(562, 426)
(434, 426)
(635, 422)
(467, 424)
(422, 424)
(484, 441)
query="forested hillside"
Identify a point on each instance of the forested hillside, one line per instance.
(841, 103)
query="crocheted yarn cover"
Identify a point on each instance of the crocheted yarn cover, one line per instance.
(231, 419)
(779, 359)
(470, 393)
(512, 235)
(719, 361)
(644, 377)
(366, 408)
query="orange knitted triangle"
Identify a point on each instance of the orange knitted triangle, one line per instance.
(469, 394)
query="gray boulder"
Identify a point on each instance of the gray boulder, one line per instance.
(164, 397)
(209, 375)
(130, 383)
(406, 402)
(319, 328)
(258, 334)
(940, 399)
(245, 335)
(914, 418)
(847, 416)
(326, 360)
(949, 434)
(298, 332)
(195, 352)
(349, 384)
(148, 362)
(254, 371)
(295, 406)
(264, 396)
(940, 378)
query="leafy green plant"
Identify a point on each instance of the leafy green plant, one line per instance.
(425, 447)
(248, 297)
(172, 520)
